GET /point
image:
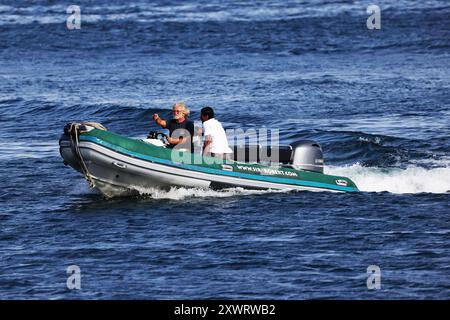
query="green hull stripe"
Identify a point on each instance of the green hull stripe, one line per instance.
(215, 171)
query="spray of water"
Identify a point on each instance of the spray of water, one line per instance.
(175, 193)
(413, 179)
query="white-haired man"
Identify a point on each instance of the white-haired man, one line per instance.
(179, 122)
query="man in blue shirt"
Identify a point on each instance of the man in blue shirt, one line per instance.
(179, 122)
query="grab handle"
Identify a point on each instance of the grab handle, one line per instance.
(119, 164)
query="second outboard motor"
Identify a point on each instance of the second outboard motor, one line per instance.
(308, 156)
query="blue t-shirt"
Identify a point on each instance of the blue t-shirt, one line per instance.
(186, 125)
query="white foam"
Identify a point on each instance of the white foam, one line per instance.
(190, 12)
(413, 179)
(27, 149)
(182, 193)
(376, 140)
(4, 8)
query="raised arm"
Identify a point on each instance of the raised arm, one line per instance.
(160, 122)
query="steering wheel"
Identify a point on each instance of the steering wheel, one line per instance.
(156, 135)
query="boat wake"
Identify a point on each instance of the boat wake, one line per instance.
(179, 193)
(413, 179)
(368, 179)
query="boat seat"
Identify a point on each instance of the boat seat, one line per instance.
(257, 153)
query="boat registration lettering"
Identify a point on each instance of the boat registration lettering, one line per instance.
(268, 171)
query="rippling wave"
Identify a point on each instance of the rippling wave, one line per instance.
(376, 100)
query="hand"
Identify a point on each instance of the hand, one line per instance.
(155, 117)
(170, 140)
(173, 141)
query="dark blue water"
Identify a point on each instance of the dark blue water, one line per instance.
(377, 101)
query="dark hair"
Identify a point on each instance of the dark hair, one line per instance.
(208, 111)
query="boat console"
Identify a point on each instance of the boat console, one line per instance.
(301, 155)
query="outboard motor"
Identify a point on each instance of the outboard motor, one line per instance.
(307, 156)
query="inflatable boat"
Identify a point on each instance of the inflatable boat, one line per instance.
(116, 165)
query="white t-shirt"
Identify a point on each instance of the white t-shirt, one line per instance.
(219, 143)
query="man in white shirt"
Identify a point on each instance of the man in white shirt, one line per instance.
(216, 143)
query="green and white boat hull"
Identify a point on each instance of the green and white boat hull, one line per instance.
(119, 166)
